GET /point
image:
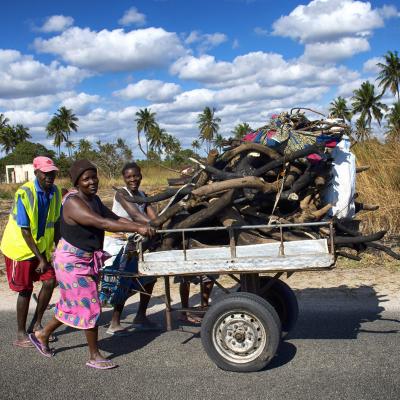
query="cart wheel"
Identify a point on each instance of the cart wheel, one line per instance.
(241, 332)
(284, 301)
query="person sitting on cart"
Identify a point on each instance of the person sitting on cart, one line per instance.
(116, 290)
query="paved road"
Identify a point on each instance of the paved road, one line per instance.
(347, 349)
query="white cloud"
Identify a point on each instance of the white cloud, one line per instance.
(204, 69)
(335, 51)
(370, 65)
(31, 119)
(56, 23)
(235, 44)
(193, 37)
(346, 89)
(326, 20)
(215, 39)
(114, 50)
(206, 41)
(37, 103)
(23, 76)
(80, 103)
(152, 90)
(264, 68)
(132, 17)
(260, 31)
(389, 12)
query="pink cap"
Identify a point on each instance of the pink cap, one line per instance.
(44, 164)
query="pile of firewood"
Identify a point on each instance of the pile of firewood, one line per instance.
(254, 183)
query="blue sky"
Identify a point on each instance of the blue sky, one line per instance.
(246, 58)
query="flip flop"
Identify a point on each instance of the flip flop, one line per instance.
(99, 364)
(41, 348)
(23, 343)
(121, 332)
(52, 337)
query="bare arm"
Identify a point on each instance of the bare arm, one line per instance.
(132, 210)
(76, 211)
(151, 212)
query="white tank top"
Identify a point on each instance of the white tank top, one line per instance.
(121, 212)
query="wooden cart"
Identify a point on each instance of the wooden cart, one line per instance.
(242, 330)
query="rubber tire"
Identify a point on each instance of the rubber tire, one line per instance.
(284, 301)
(260, 308)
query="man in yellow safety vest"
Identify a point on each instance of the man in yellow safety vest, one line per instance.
(28, 243)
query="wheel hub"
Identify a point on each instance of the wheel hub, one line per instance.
(239, 336)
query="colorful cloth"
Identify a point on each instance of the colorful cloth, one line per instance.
(77, 274)
(117, 289)
(285, 133)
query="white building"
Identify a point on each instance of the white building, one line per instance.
(19, 173)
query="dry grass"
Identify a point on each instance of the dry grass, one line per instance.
(380, 185)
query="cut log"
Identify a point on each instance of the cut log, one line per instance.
(204, 215)
(204, 175)
(344, 240)
(251, 182)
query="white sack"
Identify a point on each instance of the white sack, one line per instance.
(340, 192)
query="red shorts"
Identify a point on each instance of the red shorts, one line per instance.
(22, 274)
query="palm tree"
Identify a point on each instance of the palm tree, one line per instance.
(10, 136)
(367, 104)
(145, 121)
(363, 131)
(389, 74)
(84, 146)
(393, 123)
(69, 145)
(339, 109)
(171, 144)
(69, 122)
(7, 141)
(208, 126)
(219, 141)
(21, 133)
(156, 137)
(3, 121)
(55, 129)
(241, 130)
(196, 145)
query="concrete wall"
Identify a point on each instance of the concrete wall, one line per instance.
(19, 173)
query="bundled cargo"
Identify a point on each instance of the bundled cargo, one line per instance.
(292, 170)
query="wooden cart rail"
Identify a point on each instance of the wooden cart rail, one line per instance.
(296, 255)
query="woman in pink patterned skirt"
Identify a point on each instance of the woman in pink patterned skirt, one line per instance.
(79, 257)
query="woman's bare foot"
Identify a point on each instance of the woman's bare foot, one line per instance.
(38, 327)
(42, 337)
(116, 328)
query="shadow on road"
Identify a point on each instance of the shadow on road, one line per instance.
(338, 312)
(325, 313)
